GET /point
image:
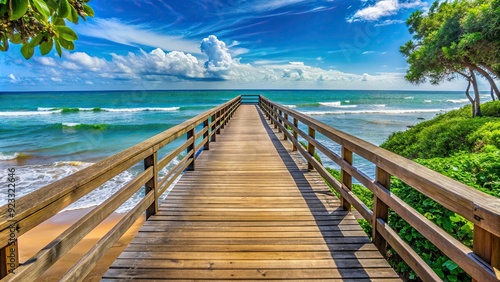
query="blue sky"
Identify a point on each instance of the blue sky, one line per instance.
(228, 44)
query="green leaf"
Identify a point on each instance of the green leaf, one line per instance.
(3, 1)
(5, 43)
(64, 8)
(41, 7)
(450, 265)
(46, 47)
(18, 9)
(88, 10)
(27, 50)
(58, 21)
(65, 33)
(73, 15)
(36, 40)
(58, 47)
(16, 38)
(68, 45)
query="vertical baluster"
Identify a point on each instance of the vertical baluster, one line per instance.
(295, 134)
(206, 134)
(217, 124)
(346, 178)
(9, 257)
(152, 184)
(310, 147)
(213, 129)
(380, 210)
(280, 117)
(284, 124)
(191, 134)
(487, 246)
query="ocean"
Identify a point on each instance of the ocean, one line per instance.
(46, 136)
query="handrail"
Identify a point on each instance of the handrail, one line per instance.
(482, 263)
(36, 207)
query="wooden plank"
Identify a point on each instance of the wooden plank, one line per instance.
(250, 206)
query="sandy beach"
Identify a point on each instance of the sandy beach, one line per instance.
(37, 238)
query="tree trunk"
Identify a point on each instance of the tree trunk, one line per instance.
(488, 77)
(476, 107)
(492, 95)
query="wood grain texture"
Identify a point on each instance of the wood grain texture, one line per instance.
(251, 211)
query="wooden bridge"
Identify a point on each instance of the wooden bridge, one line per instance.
(254, 205)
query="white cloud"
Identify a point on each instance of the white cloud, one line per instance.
(384, 8)
(133, 35)
(159, 68)
(389, 22)
(13, 78)
(219, 60)
(368, 52)
(46, 61)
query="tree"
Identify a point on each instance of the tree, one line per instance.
(40, 23)
(455, 39)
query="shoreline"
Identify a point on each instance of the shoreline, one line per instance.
(37, 238)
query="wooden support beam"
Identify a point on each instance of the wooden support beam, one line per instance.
(346, 178)
(380, 211)
(191, 133)
(152, 184)
(310, 147)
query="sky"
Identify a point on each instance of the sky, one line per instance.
(228, 44)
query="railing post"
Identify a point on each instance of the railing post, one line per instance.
(284, 135)
(346, 178)
(310, 147)
(9, 257)
(206, 134)
(213, 129)
(380, 210)
(152, 184)
(295, 134)
(275, 115)
(218, 121)
(487, 246)
(280, 114)
(223, 116)
(191, 133)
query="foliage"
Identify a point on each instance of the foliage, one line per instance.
(455, 39)
(449, 134)
(40, 23)
(475, 164)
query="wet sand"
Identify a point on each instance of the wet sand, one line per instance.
(37, 238)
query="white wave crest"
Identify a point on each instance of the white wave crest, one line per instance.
(7, 157)
(290, 106)
(330, 104)
(171, 109)
(28, 113)
(388, 112)
(70, 124)
(457, 101)
(409, 98)
(427, 101)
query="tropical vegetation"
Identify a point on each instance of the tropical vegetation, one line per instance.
(456, 39)
(41, 23)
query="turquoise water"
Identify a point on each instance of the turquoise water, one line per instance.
(47, 136)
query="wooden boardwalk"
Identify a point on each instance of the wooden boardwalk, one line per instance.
(251, 211)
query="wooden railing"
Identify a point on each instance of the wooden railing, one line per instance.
(482, 263)
(36, 207)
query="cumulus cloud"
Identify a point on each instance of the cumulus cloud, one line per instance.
(219, 60)
(158, 66)
(384, 8)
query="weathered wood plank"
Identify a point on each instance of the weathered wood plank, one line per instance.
(251, 211)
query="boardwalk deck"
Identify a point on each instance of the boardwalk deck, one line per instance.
(251, 211)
